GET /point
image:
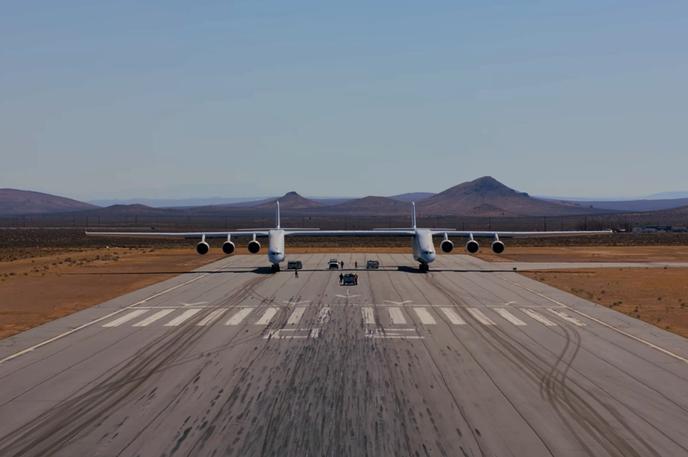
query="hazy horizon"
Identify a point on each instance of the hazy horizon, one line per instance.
(173, 100)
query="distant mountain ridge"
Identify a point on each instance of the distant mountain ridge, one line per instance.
(20, 202)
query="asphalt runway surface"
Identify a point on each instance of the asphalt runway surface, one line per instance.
(230, 360)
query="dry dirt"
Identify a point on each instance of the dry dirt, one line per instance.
(39, 289)
(677, 253)
(654, 295)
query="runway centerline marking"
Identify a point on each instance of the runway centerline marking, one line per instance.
(239, 316)
(480, 317)
(603, 323)
(396, 315)
(324, 315)
(453, 316)
(154, 317)
(510, 317)
(126, 318)
(424, 316)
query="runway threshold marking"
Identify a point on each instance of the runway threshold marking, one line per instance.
(510, 317)
(296, 316)
(603, 323)
(453, 316)
(324, 315)
(177, 321)
(396, 316)
(152, 318)
(424, 316)
(480, 317)
(126, 318)
(566, 317)
(211, 317)
(267, 316)
(239, 316)
(368, 316)
(102, 318)
(538, 317)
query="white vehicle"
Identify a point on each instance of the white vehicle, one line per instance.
(421, 239)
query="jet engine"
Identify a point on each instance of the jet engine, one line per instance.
(228, 247)
(202, 248)
(497, 247)
(253, 247)
(446, 246)
(472, 246)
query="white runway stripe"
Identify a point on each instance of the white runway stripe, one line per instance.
(182, 317)
(150, 319)
(239, 316)
(424, 316)
(368, 316)
(479, 316)
(453, 317)
(211, 317)
(126, 318)
(324, 315)
(566, 317)
(510, 317)
(296, 316)
(267, 316)
(396, 315)
(538, 317)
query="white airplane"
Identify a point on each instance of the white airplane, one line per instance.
(421, 239)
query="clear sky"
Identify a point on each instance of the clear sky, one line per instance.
(252, 98)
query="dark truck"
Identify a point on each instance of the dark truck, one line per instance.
(372, 265)
(349, 279)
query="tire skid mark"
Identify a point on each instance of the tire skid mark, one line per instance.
(566, 403)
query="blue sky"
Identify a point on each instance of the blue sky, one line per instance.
(245, 98)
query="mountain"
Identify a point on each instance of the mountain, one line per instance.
(412, 196)
(636, 205)
(17, 202)
(173, 202)
(290, 200)
(668, 196)
(488, 197)
(370, 205)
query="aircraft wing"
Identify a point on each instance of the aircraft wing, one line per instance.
(506, 234)
(177, 235)
(398, 232)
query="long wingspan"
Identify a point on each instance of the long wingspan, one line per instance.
(506, 234)
(178, 235)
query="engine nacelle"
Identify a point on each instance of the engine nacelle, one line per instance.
(446, 246)
(253, 247)
(228, 247)
(202, 248)
(497, 247)
(472, 246)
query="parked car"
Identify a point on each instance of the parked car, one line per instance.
(372, 265)
(333, 264)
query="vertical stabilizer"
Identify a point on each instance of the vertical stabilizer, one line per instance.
(413, 220)
(278, 215)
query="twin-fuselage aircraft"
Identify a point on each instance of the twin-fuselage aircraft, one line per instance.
(421, 238)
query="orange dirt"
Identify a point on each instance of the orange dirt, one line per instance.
(37, 290)
(654, 295)
(590, 254)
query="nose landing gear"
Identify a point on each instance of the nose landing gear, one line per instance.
(423, 267)
(275, 267)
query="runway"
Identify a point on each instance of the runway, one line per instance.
(471, 359)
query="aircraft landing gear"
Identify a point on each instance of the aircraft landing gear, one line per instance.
(275, 267)
(423, 267)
